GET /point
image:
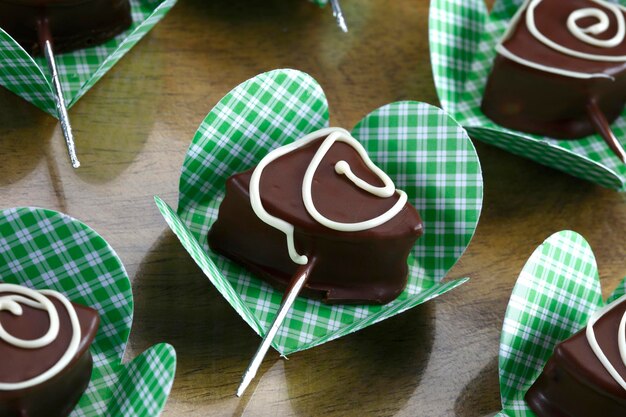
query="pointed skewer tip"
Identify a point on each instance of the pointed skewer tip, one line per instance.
(342, 24)
(341, 21)
(241, 389)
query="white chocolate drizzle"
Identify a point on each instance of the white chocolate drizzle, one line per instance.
(621, 340)
(584, 34)
(37, 299)
(333, 134)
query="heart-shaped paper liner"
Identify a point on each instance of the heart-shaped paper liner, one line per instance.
(78, 70)
(423, 150)
(46, 249)
(463, 36)
(555, 294)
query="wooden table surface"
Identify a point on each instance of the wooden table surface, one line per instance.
(133, 129)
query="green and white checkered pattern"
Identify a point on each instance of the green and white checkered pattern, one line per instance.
(46, 249)
(423, 150)
(463, 36)
(78, 70)
(555, 294)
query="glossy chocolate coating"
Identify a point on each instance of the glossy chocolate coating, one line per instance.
(58, 396)
(74, 24)
(535, 101)
(574, 383)
(351, 267)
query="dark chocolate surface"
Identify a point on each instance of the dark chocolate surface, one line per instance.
(577, 354)
(58, 395)
(335, 197)
(545, 103)
(351, 267)
(574, 383)
(73, 24)
(551, 20)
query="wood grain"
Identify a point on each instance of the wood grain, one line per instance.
(133, 129)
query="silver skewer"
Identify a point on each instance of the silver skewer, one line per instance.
(60, 103)
(339, 15)
(293, 291)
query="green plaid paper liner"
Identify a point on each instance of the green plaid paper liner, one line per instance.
(46, 249)
(463, 37)
(556, 293)
(423, 150)
(78, 70)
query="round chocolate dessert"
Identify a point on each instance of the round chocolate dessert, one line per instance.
(45, 363)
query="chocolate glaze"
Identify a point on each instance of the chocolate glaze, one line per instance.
(351, 267)
(74, 24)
(574, 383)
(535, 101)
(58, 396)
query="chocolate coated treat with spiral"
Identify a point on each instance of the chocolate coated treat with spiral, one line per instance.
(45, 363)
(321, 204)
(560, 70)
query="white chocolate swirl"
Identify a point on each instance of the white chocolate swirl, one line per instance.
(37, 299)
(621, 340)
(586, 35)
(342, 168)
(602, 26)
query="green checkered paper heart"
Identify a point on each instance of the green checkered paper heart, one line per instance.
(554, 297)
(43, 249)
(422, 149)
(30, 79)
(463, 37)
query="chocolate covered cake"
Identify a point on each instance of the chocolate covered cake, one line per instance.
(560, 70)
(586, 376)
(73, 24)
(45, 363)
(320, 203)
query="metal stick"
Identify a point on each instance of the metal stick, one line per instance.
(295, 286)
(339, 15)
(598, 119)
(66, 127)
(45, 42)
